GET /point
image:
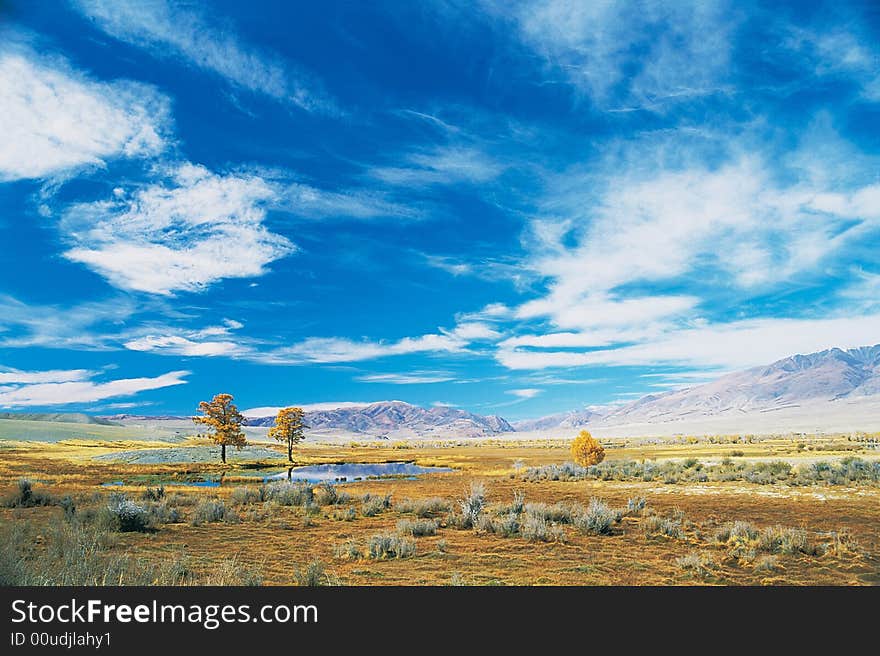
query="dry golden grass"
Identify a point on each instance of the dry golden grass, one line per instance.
(277, 540)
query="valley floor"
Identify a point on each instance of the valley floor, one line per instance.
(816, 534)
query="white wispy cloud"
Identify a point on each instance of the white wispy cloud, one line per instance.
(338, 349)
(197, 229)
(88, 391)
(310, 202)
(639, 221)
(410, 378)
(80, 325)
(839, 51)
(525, 393)
(491, 269)
(628, 54)
(55, 119)
(15, 376)
(271, 411)
(209, 341)
(441, 165)
(733, 345)
(169, 30)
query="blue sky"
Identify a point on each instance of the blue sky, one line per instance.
(511, 207)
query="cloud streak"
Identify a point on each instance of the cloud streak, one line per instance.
(66, 393)
(166, 30)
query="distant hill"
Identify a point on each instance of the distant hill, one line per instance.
(400, 419)
(809, 387)
(572, 419)
(59, 417)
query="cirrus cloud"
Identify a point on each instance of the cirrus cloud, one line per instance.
(65, 393)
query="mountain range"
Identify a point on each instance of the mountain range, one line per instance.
(835, 389)
(399, 419)
(809, 389)
(62, 417)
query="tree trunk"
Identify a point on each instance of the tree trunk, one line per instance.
(290, 451)
(223, 453)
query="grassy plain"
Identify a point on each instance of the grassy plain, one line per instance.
(835, 527)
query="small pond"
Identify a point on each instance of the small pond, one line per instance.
(354, 471)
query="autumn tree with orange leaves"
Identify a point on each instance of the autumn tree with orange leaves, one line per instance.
(224, 421)
(586, 450)
(289, 427)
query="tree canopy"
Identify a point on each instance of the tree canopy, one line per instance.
(224, 422)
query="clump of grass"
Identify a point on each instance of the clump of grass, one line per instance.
(783, 540)
(560, 512)
(68, 506)
(153, 493)
(516, 507)
(348, 550)
(737, 531)
(178, 500)
(506, 526)
(124, 515)
(457, 580)
(163, 513)
(417, 528)
(286, 493)
(232, 573)
(768, 563)
(312, 576)
(424, 508)
(656, 526)
(245, 496)
(211, 511)
(346, 515)
(26, 497)
(176, 571)
(474, 503)
(373, 504)
(327, 495)
(384, 546)
(698, 564)
(842, 545)
(636, 505)
(598, 519)
(535, 528)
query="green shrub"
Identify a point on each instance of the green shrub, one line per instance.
(383, 547)
(126, 516)
(312, 576)
(372, 504)
(211, 511)
(424, 508)
(670, 527)
(598, 519)
(26, 497)
(288, 494)
(418, 527)
(244, 496)
(473, 504)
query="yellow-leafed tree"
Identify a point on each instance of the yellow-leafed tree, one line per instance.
(586, 450)
(289, 427)
(224, 421)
